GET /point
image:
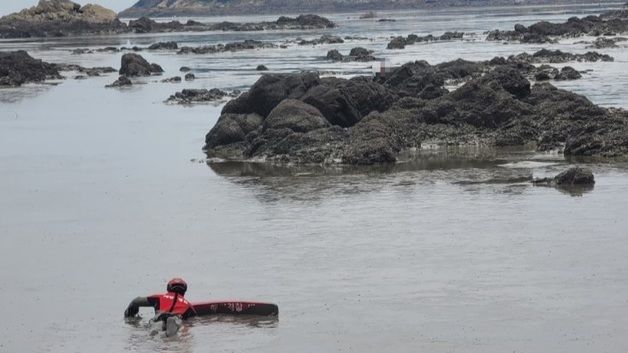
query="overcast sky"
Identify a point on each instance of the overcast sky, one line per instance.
(9, 6)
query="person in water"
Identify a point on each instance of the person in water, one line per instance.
(170, 307)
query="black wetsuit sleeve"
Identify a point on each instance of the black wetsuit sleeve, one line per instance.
(134, 306)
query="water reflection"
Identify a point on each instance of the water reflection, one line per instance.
(493, 170)
(240, 320)
(15, 95)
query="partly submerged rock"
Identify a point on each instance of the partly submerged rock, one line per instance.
(248, 44)
(122, 81)
(401, 42)
(17, 68)
(356, 54)
(324, 39)
(135, 65)
(175, 79)
(189, 96)
(575, 181)
(575, 176)
(164, 46)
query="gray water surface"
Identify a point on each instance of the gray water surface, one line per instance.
(106, 195)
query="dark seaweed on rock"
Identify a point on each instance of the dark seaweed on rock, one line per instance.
(608, 23)
(369, 121)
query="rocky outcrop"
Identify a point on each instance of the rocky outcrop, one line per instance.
(58, 18)
(229, 47)
(369, 121)
(18, 68)
(261, 68)
(191, 96)
(611, 22)
(401, 42)
(136, 65)
(356, 54)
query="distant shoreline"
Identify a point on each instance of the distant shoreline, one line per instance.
(131, 13)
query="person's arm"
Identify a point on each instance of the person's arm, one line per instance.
(134, 306)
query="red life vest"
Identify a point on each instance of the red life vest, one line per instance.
(167, 304)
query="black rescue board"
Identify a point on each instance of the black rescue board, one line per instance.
(235, 308)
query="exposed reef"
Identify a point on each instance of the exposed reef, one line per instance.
(401, 42)
(229, 47)
(608, 23)
(303, 118)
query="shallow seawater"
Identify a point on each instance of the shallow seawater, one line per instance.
(106, 195)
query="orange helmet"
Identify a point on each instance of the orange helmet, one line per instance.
(177, 285)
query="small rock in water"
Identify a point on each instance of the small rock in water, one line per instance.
(121, 82)
(175, 79)
(185, 69)
(136, 65)
(80, 51)
(568, 73)
(334, 55)
(190, 77)
(164, 46)
(575, 176)
(261, 68)
(188, 96)
(356, 54)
